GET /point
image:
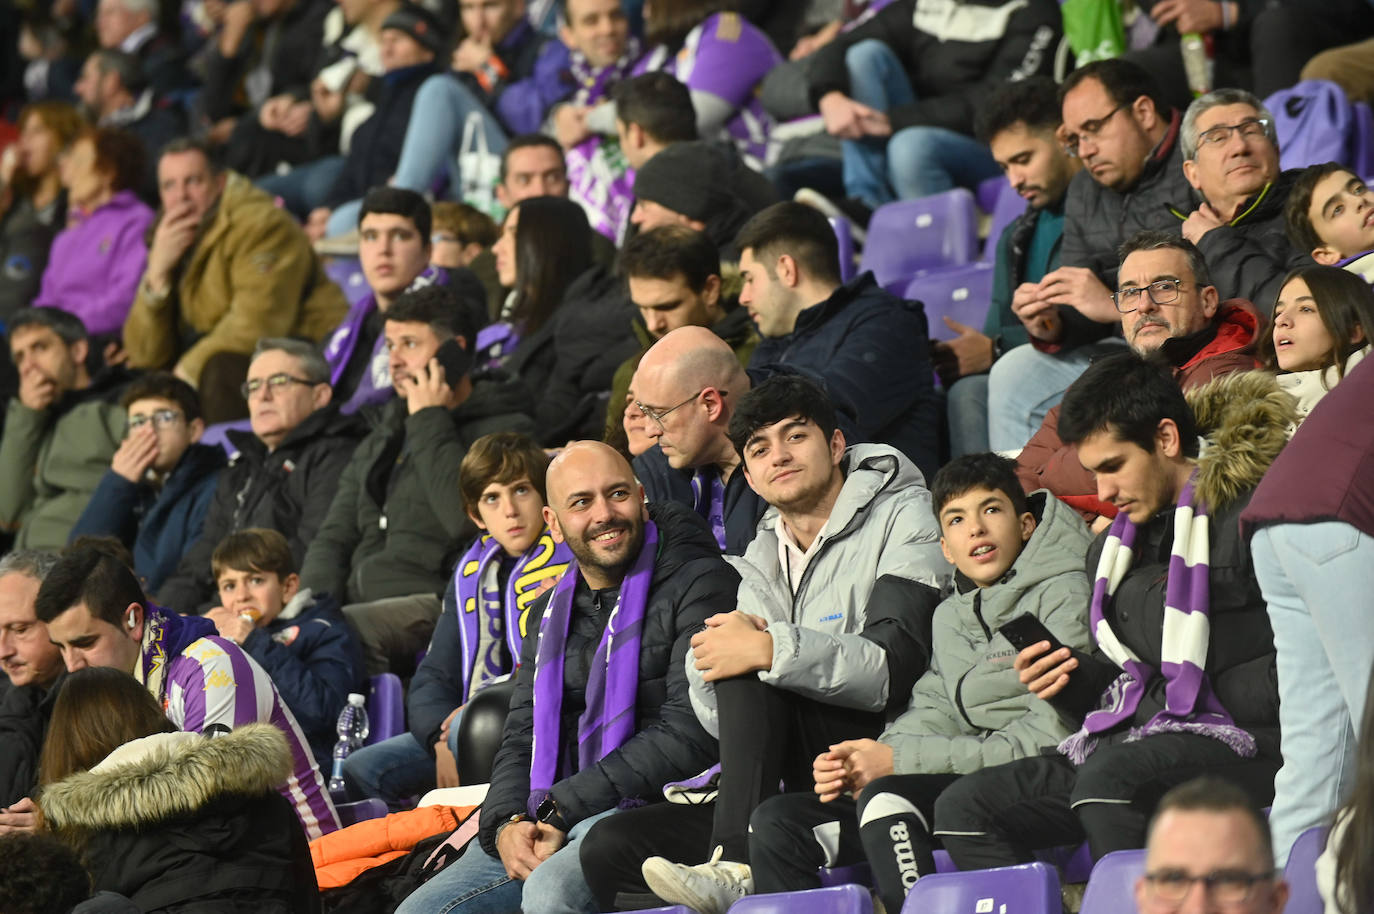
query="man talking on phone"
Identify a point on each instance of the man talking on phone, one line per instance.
(397, 521)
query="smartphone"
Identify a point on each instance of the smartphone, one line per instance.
(454, 359)
(1078, 697)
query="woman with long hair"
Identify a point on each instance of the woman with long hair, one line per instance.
(545, 244)
(175, 821)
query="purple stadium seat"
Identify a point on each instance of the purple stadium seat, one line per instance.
(362, 810)
(913, 235)
(1074, 862)
(944, 863)
(835, 899)
(1301, 872)
(386, 712)
(1009, 206)
(846, 241)
(218, 434)
(855, 874)
(669, 909)
(1112, 885)
(347, 274)
(988, 192)
(962, 293)
(1030, 888)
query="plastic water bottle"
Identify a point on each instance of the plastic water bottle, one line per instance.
(352, 729)
(1197, 61)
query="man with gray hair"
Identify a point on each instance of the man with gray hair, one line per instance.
(286, 468)
(114, 93)
(1231, 158)
(34, 667)
(132, 26)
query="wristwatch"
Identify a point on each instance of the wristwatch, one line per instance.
(548, 814)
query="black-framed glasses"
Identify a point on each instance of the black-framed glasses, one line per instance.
(1225, 887)
(1252, 128)
(276, 383)
(658, 415)
(1089, 129)
(1161, 292)
(161, 418)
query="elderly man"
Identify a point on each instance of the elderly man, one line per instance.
(286, 470)
(225, 268)
(1167, 303)
(685, 386)
(132, 26)
(34, 667)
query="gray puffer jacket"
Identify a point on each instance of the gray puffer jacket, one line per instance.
(857, 632)
(970, 711)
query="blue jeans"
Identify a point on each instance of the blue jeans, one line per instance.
(395, 769)
(306, 186)
(1025, 384)
(966, 407)
(915, 161)
(1318, 580)
(476, 883)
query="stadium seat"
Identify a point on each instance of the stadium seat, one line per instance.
(845, 237)
(835, 899)
(1029, 888)
(1010, 205)
(386, 710)
(1111, 888)
(347, 274)
(219, 434)
(854, 874)
(908, 236)
(1301, 872)
(961, 293)
(362, 810)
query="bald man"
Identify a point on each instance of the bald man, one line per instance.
(651, 575)
(684, 386)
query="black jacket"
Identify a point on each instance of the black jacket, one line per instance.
(743, 506)
(288, 490)
(376, 145)
(24, 715)
(871, 349)
(1248, 257)
(288, 46)
(690, 582)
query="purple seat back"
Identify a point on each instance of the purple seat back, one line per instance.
(219, 434)
(1301, 872)
(845, 238)
(668, 909)
(855, 874)
(1010, 205)
(961, 293)
(347, 274)
(988, 192)
(835, 899)
(1029, 888)
(362, 810)
(1111, 888)
(913, 235)
(944, 863)
(386, 710)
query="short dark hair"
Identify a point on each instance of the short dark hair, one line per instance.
(1127, 394)
(1154, 240)
(65, 324)
(119, 154)
(253, 549)
(529, 141)
(502, 457)
(470, 224)
(128, 67)
(977, 471)
(1123, 81)
(670, 251)
(40, 874)
(659, 104)
(194, 144)
(1296, 220)
(1033, 101)
(783, 396)
(795, 229)
(1213, 794)
(439, 307)
(106, 585)
(398, 201)
(164, 386)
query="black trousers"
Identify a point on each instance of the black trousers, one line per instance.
(1000, 815)
(894, 821)
(613, 849)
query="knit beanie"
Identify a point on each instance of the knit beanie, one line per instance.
(420, 24)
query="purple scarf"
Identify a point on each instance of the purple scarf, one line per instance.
(165, 635)
(1190, 706)
(708, 499)
(609, 717)
(598, 175)
(504, 612)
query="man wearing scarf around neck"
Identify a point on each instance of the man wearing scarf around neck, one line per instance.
(600, 719)
(1184, 655)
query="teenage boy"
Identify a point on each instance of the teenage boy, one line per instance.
(477, 638)
(1330, 215)
(158, 489)
(300, 639)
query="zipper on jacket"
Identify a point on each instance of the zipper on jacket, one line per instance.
(978, 613)
(959, 700)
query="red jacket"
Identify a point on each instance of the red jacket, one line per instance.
(1046, 462)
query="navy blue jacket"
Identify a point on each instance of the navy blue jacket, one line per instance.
(872, 350)
(437, 687)
(315, 661)
(157, 525)
(743, 507)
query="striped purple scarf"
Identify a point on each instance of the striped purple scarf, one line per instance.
(1190, 705)
(608, 719)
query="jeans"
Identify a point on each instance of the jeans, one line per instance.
(476, 883)
(914, 161)
(1025, 384)
(967, 407)
(306, 186)
(1317, 579)
(395, 769)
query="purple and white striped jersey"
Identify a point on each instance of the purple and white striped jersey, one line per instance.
(214, 684)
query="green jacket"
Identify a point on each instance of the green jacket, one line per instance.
(970, 710)
(51, 460)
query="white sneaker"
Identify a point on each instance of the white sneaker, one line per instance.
(707, 888)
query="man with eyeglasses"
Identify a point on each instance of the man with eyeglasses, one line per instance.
(1209, 849)
(159, 486)
(1166, 304)
(1126, 137)
(1231, 158)
(285, 469)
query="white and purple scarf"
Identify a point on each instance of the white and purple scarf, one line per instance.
(1190, 704)
(608, 719)
(599, 176)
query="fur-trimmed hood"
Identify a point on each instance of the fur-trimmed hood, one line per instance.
(168, 775)
(1243, 419)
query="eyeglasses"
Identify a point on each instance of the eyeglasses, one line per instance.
(445, 238)
(1161, 292)
(1252, 128)
(161, 418)
(277, 383)
(658, 415)
(1089, 129)
(1226, 887)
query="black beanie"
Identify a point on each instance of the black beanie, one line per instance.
(689, 178)
(420, 24)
